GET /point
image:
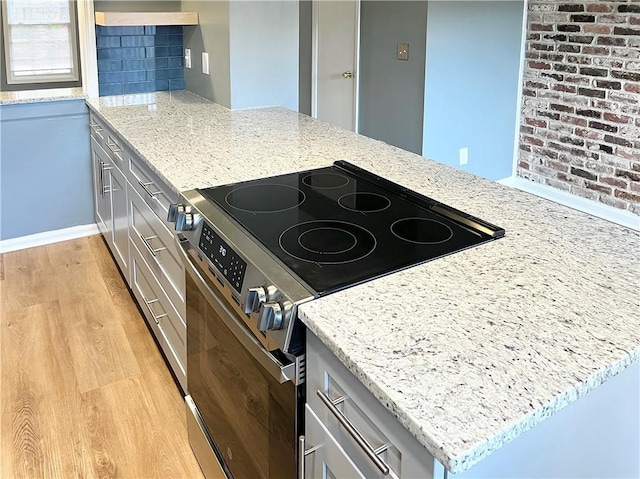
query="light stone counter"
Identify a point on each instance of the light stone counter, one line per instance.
(467, 351)
(40, 96)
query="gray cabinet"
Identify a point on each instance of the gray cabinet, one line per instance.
(350, 433)
(131, 205)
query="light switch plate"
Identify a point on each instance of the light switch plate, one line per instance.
(403, 51)
(205, 63)
(187, 57)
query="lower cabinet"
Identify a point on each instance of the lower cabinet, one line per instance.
(348, 433)
(136, 232)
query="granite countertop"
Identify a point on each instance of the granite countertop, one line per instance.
(39, 96)
(468, 351)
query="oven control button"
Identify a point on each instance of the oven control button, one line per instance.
(255, 297)
(185, 221)
(174, 210)
(270, 317)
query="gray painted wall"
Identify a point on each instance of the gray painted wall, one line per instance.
(473, 60)
(253, 52)
(304, 57)
(45, 172)
(391, 97)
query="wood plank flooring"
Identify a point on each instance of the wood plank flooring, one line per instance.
(84, 391)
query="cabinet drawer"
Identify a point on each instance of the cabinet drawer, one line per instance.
(167, 325)
(401, 452)
(108, 140)
(152, 189)
(157, 246)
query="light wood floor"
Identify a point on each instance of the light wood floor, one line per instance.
(84, 391)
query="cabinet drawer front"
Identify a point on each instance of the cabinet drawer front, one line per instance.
(157, 246)
(152, 189)
(108, 140)
(328, 459)
(167, 325)
(98, 129)
(403, 454)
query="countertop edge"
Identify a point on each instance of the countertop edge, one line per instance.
(479, 451)
(41, 96)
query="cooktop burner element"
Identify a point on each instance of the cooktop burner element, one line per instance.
(422, 230)
(327, 242)
(325, 180)
(338, 226)
(364, 202)
(267, 198)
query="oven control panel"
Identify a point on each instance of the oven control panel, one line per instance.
(230, 265)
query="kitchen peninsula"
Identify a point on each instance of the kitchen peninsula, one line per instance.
(469, 351)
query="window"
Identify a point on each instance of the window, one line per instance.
(40, 42)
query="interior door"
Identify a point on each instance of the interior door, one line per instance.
(335, 62)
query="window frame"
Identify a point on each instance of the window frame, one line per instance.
(48, 80)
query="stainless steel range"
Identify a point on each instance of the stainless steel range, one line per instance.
(254, 251)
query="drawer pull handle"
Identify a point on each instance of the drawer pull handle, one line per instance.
(145, 187)
(148, 303)
(353, 432)
(302, 453)
(113, 146)
(148, 245)
(95, 127)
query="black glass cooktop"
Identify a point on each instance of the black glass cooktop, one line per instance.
(338, 226)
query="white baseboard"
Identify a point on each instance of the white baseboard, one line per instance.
(48, 237)
(609, 213)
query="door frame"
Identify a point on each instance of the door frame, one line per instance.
(314, 59)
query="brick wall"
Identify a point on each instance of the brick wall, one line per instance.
(580, 126)
(139, 59)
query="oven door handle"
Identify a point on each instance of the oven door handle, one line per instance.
(280, 372)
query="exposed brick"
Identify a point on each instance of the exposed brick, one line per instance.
(603, 126)
(634, 20)
(582, 60)
(561, 67)
(635, 65)
(617, 140)
(617, 41)
(556, 165)
(587, 50)
(614, 181)
(565, 88)
(596, 187)
(555, 76)
(617, 118)
(608, 62)
(629, 8)
(596, 72)
(547, 153)
(623, 75)
(574, 120)
(588, 133)
(610, 85)
(592, 93)
(540, 65)
(611, 201)
(583, 18)
(558, 37)
(614, 19)
(536, 84)
(539, 27)
(632, 175)
(627, 196)
(571, 7)
(533, 37)
(629, 98)
(568, 48)
(626, 31)
(552, 57)
(536, 122)
(527, 129)
(599, 29)
(568, 28)
(595, 7)
(523, 164)
(589, 113)
(541, 46)
(572, 141)
(578, 80)
(563, 108)
(533, 141)
(548, 114)
(586, 39)
(524, 147)
(528, 92)
(607, 149)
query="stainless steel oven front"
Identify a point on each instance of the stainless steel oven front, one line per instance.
(245, 403)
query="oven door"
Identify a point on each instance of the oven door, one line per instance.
(242, 399)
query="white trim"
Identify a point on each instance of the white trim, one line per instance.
(88, 51)
(609, 213)
(48, 237)
(523, 47)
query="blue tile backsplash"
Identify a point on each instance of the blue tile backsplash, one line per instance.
(139, 59)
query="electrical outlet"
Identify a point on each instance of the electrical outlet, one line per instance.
(464, 155)
(187, 57)
(403, 51)
(205, 63)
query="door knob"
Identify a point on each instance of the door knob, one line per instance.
(347, 75)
